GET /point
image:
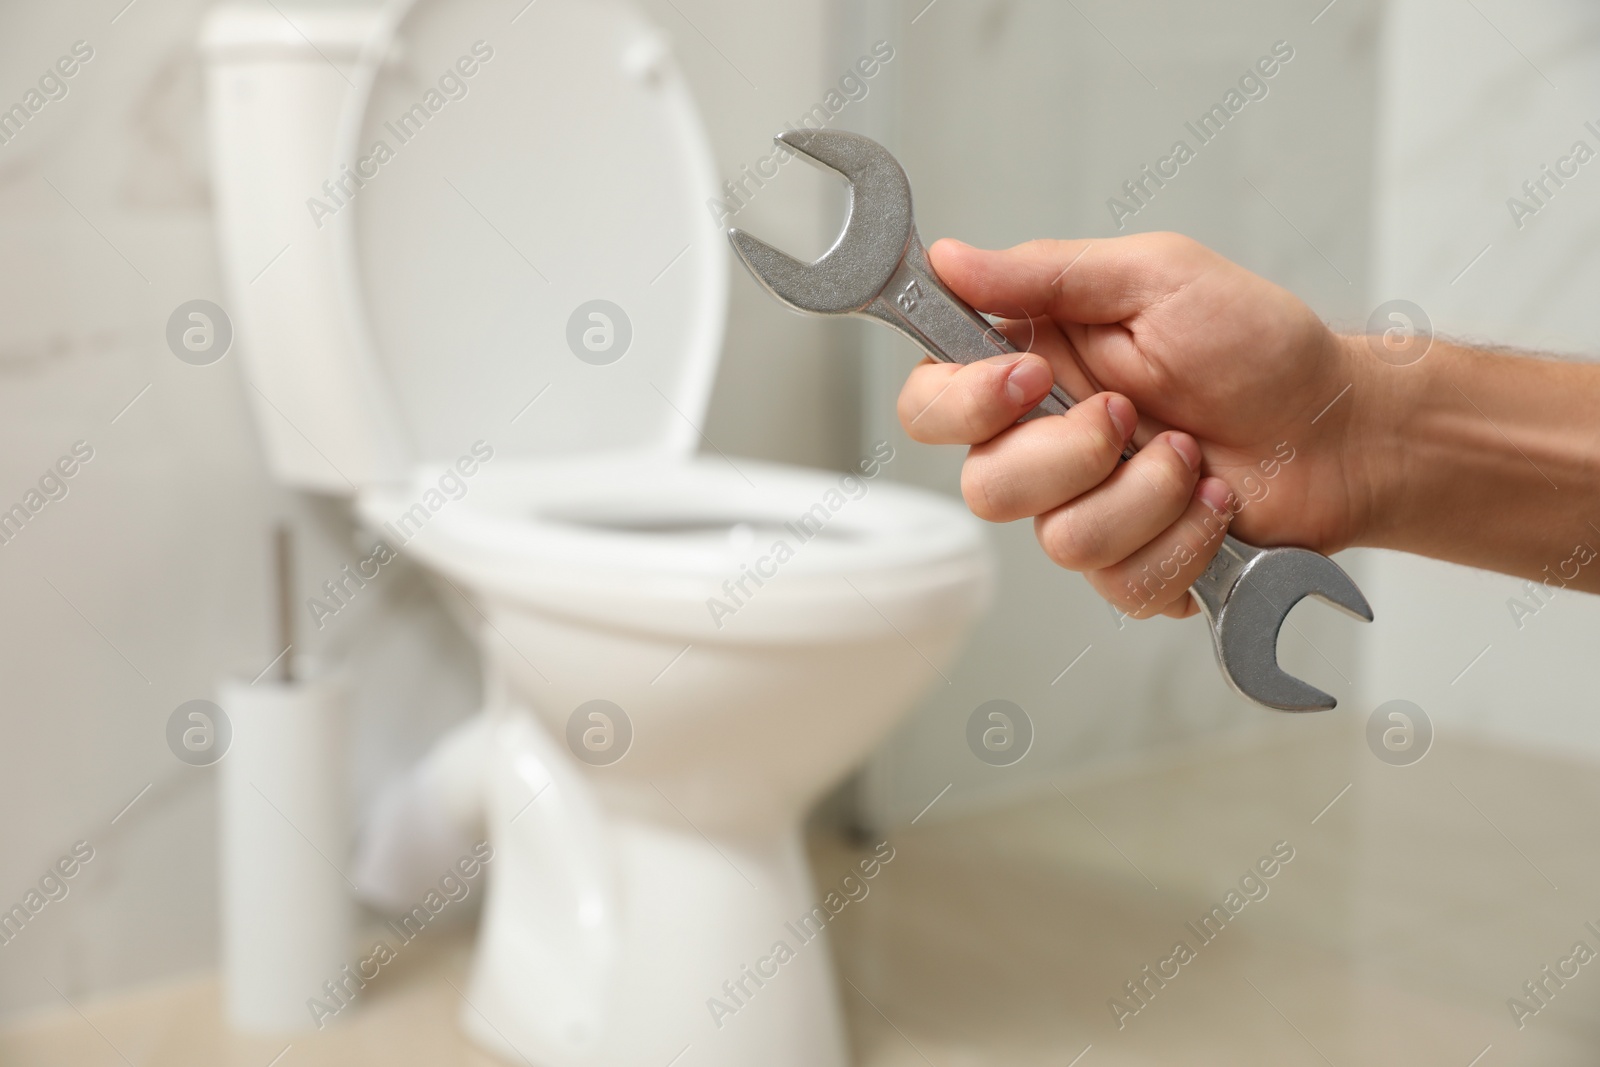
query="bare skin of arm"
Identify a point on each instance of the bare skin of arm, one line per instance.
(1248, 413)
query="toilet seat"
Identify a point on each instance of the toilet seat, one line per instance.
(469, 342)
(643, 540)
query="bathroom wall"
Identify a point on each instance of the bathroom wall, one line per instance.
(1022, 119)
(1379, 167)
(148, 580)
(145, 582)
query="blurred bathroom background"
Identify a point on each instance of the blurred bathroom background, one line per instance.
(1376, 167)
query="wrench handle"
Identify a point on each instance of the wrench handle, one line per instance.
(921, 307)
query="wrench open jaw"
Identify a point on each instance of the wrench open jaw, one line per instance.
(879, 269)
(1246, 593)
(877, 229)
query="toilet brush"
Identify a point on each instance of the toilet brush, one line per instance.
(286, 901)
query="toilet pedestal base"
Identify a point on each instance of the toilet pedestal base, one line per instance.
(685, 949)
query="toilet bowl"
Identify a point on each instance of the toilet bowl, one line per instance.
(607, 580)
(682, 652)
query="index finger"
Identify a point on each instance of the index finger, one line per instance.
(953, 403)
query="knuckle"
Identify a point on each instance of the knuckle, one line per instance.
(987, 487)
(905, 408)
(1092, 436)
(916, 408)
(975, 491)
(1071, 542)
(1171, 475)
(981, 417)
(1169, 243)
(1040, 246)
(1118, 593)
(1174, 241)
(956, 407)
(1171, 258)
(1137, 600)
(970, 426)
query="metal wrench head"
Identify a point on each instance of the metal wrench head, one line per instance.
(1245, 626)
(877, 229)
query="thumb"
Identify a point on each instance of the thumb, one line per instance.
(1100, 280)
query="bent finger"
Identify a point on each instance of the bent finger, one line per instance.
(1125, 512)
(1044, 463)
(1158, 576)
(948, 403)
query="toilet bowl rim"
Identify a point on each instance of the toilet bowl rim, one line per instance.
(505, 515)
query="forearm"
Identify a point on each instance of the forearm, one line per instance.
(1486, 459)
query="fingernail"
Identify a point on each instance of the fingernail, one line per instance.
(1123, 417)
(1005, 359)
(1187, 450)
(1215, 494)
(1028, 381)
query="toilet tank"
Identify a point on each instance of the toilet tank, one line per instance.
(276, 85)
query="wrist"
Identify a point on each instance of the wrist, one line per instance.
(1365, 429)
(1387, 435)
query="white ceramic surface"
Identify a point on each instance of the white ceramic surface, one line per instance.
(626, 894)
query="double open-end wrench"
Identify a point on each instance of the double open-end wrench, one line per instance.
(878, 268)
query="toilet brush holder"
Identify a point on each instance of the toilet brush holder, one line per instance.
(285, 835)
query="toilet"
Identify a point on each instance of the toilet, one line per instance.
(477, 294)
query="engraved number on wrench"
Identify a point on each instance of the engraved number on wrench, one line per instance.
(910, 296)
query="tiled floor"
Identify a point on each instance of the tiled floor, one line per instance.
(1413, 908)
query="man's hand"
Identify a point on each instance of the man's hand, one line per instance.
(1223, 380)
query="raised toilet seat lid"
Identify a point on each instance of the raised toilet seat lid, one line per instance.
(527, 256)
